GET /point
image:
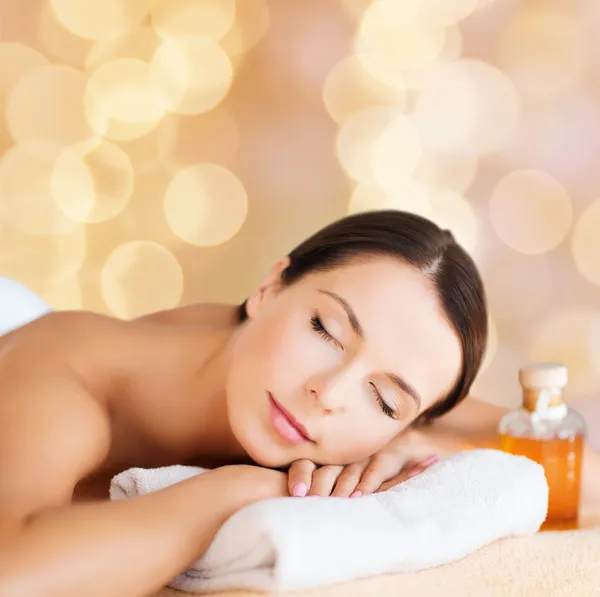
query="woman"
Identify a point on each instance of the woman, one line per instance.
(376, 323)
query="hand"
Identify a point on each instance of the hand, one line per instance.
(378, 473)
(407, 455)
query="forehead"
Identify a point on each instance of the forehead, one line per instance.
(406, 331)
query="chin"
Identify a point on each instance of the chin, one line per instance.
(256, 443)
(265, 453)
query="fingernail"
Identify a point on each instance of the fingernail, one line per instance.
(429, 460)
(356, 494)
(413, 473)
(299, 490)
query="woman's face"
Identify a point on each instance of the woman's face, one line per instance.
(332, 367)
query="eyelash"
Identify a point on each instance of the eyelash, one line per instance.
(387, 410)
(317, 326)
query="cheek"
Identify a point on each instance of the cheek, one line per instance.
(284, 348)
(264, 351)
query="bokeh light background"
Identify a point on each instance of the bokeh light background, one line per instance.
(162, 152)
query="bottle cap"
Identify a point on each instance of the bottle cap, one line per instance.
(542, 389)
(543, 375)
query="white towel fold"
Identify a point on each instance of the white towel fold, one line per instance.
(450, 510)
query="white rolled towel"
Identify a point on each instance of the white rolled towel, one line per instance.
(452, 509)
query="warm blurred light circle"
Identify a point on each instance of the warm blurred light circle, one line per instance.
(543, 51)
(349, 88)
(355, 8)
(63, 293)
(446, 170)
(46, 104)
(25, 188)
(396, 153)
(357, 137)
(205, 204)
(530, 211)
(560, 137)
(139, 277)
(210, 137)
(92, 181)
(395, 36)
(120, 101)
(518, 286)
(37, 259)
(565, 337)
(466, 106)
(251, 24)
(410, 197)
(140, 43)
(208, 18)
(56, 42)
(443, 12)
(16, 60)
(586, 243)
(98, 19)
(452, 212)
(451, 51)
(193, 74)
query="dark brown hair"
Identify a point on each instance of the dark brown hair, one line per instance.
(421, 243)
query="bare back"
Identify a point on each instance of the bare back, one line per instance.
(85, 396)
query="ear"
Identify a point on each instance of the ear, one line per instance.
(268, 286)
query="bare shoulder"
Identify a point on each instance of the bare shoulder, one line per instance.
(185, 314)
(54, 427)
(61, 378)
(203, 314)
(473, 417)
(91, 344)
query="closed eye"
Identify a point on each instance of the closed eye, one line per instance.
(385, 407)
(317, 326)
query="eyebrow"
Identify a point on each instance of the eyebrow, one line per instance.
(401, 383)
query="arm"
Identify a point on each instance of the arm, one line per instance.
(128, 548)
(54, 431)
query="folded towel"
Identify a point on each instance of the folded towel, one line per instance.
(450, 510)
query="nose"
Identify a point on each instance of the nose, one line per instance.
(317, 398)
(327, 393)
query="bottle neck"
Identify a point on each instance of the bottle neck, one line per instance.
(545, 403)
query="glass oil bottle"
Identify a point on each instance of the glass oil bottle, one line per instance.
(547, 431)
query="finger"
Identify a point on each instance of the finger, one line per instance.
(324, 479)
(381, 468)
(421, 466)
(409, 472)
(348, 480)
(300, 477)
(424, 464)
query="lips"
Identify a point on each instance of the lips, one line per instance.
(286, 426)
